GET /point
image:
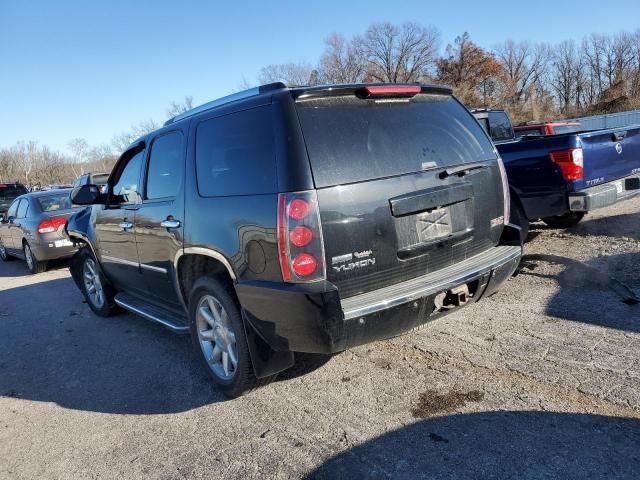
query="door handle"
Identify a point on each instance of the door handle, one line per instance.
(170, 223)
(126, 225)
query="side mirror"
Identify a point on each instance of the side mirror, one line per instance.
(1, 217)
(85, 195)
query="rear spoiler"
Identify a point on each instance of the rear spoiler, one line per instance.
(359, 88)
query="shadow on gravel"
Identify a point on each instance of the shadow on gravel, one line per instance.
(53, 349)
(497, 445)
(615, 226)
(604, 292)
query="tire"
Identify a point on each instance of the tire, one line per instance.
(217, 331)
(519, 218)
(33, 264)
(95, 288)
(567, 220)
(4, 255)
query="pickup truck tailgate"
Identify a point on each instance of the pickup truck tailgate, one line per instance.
(609, 155)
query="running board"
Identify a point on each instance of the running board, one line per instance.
(150, 312)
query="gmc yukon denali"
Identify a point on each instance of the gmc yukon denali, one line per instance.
(283, 220)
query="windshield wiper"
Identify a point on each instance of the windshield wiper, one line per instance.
(462, 170)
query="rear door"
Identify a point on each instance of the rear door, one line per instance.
(20, 228)
(159, 221)
(114, 225)
(405, 186)
(610, 154)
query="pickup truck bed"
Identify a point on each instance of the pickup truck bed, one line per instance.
(558, 178)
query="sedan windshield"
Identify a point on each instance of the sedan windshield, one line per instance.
(52, 203)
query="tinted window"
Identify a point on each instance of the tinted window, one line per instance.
(164, 173)
(126, 188)
(500, 126)
(235, 154)
(351, 139)
(55, 202)
(100, 178)
(9, 192)
(23, 208)
(13, 209)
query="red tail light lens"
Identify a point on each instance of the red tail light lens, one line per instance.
(51, 225)
(300, 245)
(570, 163)
(301, 236)
(298, 209)
(392, 90)
(304, 264)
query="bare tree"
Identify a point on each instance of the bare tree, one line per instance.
(291, 74)
(525, 65)
(565, 77)
(176, 108)
(121, 141)
(343, 61)
(405, 53)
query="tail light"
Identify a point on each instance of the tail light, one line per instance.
(300, 244)
(51, 225)
(570, 162)
(392, 90)
(506, 196)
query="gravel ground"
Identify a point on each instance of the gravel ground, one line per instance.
(542, 380)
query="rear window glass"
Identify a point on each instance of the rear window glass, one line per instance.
(351, 140)
(51, 203)
(500, 126)
(529, 132)
(9, 192)
(235, 154)
(560, 129)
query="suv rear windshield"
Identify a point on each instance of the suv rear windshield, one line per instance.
(9, 192)
(352, 140)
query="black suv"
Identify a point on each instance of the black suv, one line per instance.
(282, 220)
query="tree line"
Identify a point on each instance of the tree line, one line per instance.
(32, 164)
(532, 81)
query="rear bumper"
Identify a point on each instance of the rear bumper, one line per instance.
(604, 195)
(45, 251)
(313, 318)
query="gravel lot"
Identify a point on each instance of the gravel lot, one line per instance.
(542, 380)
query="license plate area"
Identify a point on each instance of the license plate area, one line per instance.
(416, 232)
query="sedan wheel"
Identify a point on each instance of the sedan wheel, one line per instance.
(217, 340)
(33, 264)
(4, 255)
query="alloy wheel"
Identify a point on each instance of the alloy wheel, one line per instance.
(92, 283)
(216, 337)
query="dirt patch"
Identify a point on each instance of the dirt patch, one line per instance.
(430, 402)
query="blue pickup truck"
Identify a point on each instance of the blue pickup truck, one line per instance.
(559, 178)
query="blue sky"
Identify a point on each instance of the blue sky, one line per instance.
(91, 69)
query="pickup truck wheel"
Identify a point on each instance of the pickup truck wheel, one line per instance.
(4, 255)
(567, 220)
(218, 338)
(98, 293)
(33, 264)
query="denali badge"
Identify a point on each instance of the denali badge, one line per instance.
(495, 222)
(341, 258)
(354, 265)
(366, 253)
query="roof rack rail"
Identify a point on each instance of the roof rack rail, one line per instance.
(251, 92)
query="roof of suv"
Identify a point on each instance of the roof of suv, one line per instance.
(297, 92)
